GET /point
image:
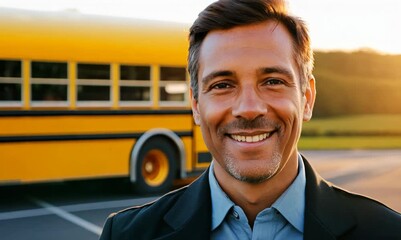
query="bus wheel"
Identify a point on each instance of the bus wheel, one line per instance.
(156, 166)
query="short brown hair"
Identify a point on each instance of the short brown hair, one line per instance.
(226, 14)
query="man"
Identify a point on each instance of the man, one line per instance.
(251, 88)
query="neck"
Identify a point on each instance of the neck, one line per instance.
(253, 198)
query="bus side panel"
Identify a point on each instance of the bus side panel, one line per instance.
(189, 166)
(202, 156)
(112, 124)
(59, 160)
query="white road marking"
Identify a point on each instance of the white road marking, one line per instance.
(75, 208)
(23, 214)
(69, 217)
(108, 204)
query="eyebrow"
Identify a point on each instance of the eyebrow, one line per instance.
(219, 73)
(262, 70)
(276, 69)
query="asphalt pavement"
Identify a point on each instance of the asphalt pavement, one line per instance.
(77, 210)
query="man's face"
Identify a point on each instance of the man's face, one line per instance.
(250, 105)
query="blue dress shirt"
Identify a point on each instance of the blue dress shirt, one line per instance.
(283, 220)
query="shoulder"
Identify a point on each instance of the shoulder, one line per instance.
(174, 211)
(373, 219)
(365, 208)
(162, 203)
(145, 219)
(322, 194)
(342, 212)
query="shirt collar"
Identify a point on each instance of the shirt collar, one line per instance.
(221, 204)
(291, 204)
(292, 211)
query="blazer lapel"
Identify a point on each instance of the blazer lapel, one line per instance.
(326, 215)
(190, 217)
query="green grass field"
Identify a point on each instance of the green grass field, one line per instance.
(353, 132)
(363, 142)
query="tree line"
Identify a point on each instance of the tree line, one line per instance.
(362, 82)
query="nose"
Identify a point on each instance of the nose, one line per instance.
(249, 105)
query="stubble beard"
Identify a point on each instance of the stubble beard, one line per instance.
(270, 165)
(254, 176)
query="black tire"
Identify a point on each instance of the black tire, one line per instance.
(156, 154)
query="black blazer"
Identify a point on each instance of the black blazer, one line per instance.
(330, 213)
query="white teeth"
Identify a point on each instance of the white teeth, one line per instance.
(250, 139)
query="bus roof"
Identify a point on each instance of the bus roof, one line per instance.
(72, 36)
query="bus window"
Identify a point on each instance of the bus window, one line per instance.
(93, 83)
(49, 82)
(10, 82)
(173, 84)
(109, 115)
(135, 84)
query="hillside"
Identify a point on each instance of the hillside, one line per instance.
(357, 83)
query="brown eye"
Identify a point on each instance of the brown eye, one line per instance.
(273, 81)
(221, 86)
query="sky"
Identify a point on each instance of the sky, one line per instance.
(334, 24)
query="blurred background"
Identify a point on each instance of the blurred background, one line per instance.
(95, 117)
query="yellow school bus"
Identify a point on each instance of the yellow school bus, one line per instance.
(86, 97)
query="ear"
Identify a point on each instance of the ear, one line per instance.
(195, 107)
(310, 95)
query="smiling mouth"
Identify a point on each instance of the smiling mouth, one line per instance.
(250, 138)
